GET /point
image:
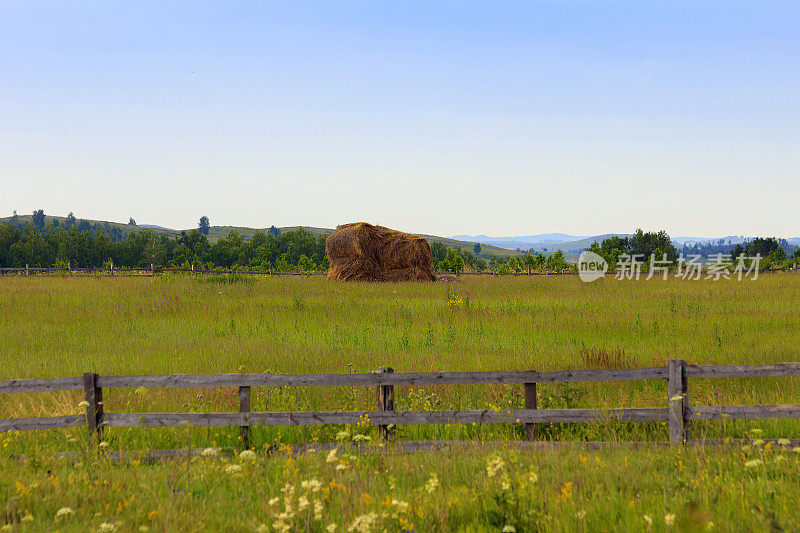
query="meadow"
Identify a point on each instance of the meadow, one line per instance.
(58, 327)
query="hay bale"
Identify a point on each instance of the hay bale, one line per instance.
(363, 252)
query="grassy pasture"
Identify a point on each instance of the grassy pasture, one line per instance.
(57, 327)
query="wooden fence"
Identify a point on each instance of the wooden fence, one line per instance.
(153, 270)
(679, 412)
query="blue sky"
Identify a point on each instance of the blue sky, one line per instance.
(480, 117)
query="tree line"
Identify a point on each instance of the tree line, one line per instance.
(651, 245)
(82, 244)
(54, 246)
(457, 259)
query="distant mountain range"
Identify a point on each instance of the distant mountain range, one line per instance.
(578, 243)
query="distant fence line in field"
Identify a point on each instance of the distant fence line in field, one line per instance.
(153, 270)
(678, 414)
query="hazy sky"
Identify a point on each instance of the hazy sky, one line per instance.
(460, 117)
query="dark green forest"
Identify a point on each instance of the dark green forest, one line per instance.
(93, 246)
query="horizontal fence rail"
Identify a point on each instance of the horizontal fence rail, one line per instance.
(153, 270)
(678, 413)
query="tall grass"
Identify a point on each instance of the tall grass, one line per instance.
(182, 324)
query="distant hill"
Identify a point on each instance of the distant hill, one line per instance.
(541, 242)
(150, 226)
(546, 243)
(217, 232)
(523, 242)
(575, 244)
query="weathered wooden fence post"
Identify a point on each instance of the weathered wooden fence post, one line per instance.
(385, 402)
(94, 411)
(244, 407)
(152, 270)
(677, 391)
(69, 267)
(531, 431)
(112, 268)
(27, 270)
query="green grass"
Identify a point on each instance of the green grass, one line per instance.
(57, 327)
(471, 489)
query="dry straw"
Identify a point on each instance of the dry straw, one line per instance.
(363, 252)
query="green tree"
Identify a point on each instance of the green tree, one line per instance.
(38, 219)
(131, 222)
(9, 235)
(30, 249)
(477, 248)
(453, 262)
(274, 231)
(204, 225)
(556, 261)
(646, 244)
(439, 252)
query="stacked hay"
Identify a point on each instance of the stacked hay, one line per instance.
(363, 252)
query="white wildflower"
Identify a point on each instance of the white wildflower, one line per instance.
(363, 523)
(753, 463)
(312, 484)
(233, 469)
(432, 483)
(247, 455)
(669, 519)
(64, 511)
(318, 510)
(302, 504)
(331, 456)
(493, 465)
(401, 506)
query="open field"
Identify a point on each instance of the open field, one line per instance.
(58, 327)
